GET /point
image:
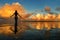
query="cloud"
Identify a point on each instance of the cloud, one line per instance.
(37, 10)
(47, 8)
(57, 9)
(7, 10)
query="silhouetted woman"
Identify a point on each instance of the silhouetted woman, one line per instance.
(16, 21)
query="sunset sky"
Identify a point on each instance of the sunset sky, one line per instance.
(31, 5)
(26, 8)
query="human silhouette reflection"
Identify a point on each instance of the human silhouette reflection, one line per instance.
(16, 21)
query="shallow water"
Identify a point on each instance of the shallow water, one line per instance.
(27, 29)
(8, 28)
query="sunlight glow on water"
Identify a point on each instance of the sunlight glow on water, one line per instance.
(27, 26)
(47, 25)
(5, 30)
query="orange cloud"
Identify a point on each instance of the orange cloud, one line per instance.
(47, 8)
(7, 10)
